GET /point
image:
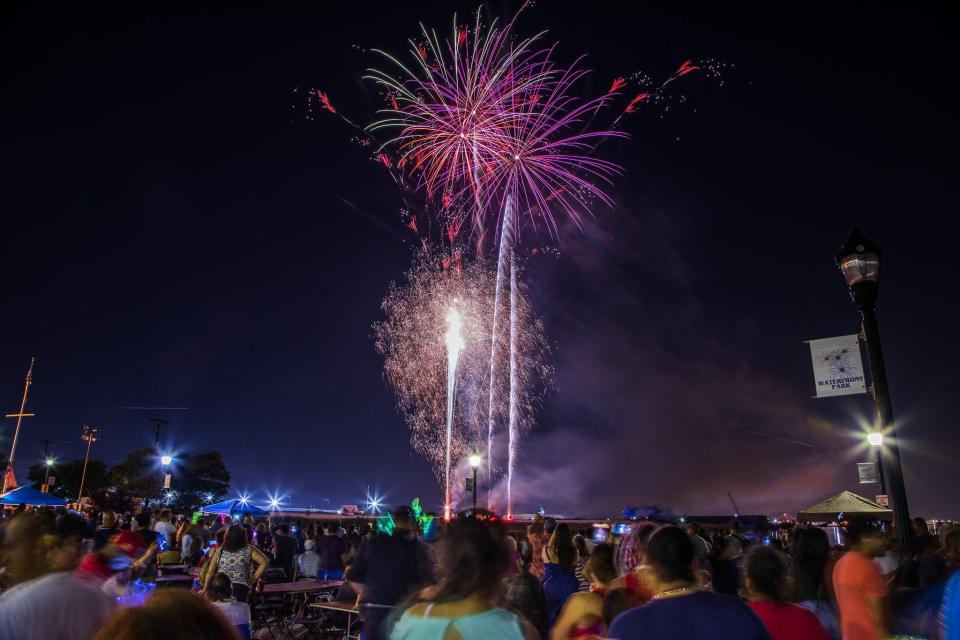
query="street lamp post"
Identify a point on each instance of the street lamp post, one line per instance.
(876, 442)
(90, 435)
(859, 261)
(475, 461)
(46, 478)
(165, 460)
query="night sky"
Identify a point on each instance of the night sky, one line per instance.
(177, 232)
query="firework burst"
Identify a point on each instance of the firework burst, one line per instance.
(482, 117)
(413, 342)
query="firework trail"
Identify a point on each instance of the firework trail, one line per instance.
(512, 432)
(454, 343)
(412, 341)
(491, 416)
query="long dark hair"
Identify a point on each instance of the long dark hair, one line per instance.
(767, 572)
(474, 556)
(563, 546)
(811, 549)
(235, 538)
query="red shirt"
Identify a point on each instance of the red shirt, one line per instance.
(785, 621)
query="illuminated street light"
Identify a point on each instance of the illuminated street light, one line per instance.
(859, 262)
(875, 439)
(166, 460)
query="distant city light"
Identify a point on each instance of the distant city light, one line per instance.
(875, 439)
(374, 503)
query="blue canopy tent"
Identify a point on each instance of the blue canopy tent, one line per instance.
(234, 507)
(31, 498)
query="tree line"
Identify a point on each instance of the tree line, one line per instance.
(197, 479)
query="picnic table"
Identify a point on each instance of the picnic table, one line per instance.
(175, 580)
(300, 594)
(171, 568)
(303, 586)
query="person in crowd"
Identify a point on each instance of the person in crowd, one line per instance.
(141, 525)
(583, 554)
(860, 589)
(285, 550)
(262, 537)
(725, 565)
(765, 577)
(679, 609)
(164, 527)
(242, 563)
(632, 563)
(512, 566)
(537, 539)
(695, 531)
(190, 544)
(220, 594)
(950, 608)
(169, 613)
(331, 549)
(559, 562)
(463, 604)
(44, 599)
(204, 532)
(387, 569)
(736, 530)
(523, 593)
(808, 575)
(308, 562)
(582, 613)
(888, 560)
(106, 530)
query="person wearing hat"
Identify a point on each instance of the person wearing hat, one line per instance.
(308, 562)
(106, 530)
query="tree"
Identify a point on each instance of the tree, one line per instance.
(68, 476)
(199, 479)
(139, 475)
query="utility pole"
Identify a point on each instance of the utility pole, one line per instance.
(9, 479)
(89, 435)
(47, 462)
(157, 425)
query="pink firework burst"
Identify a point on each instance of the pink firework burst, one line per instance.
(487, 119)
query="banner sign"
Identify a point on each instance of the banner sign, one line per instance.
(166, 480)
(197, 516)
(867, 471)
(469, 484)
(837, 367)
(883, 501)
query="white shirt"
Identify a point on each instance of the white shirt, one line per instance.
(308, 563)
(185, 543)
(56, 606)
(237, 612)
(167, 530)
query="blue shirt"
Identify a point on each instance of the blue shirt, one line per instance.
(702, 615)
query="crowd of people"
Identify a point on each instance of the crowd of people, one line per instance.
(67, 575)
